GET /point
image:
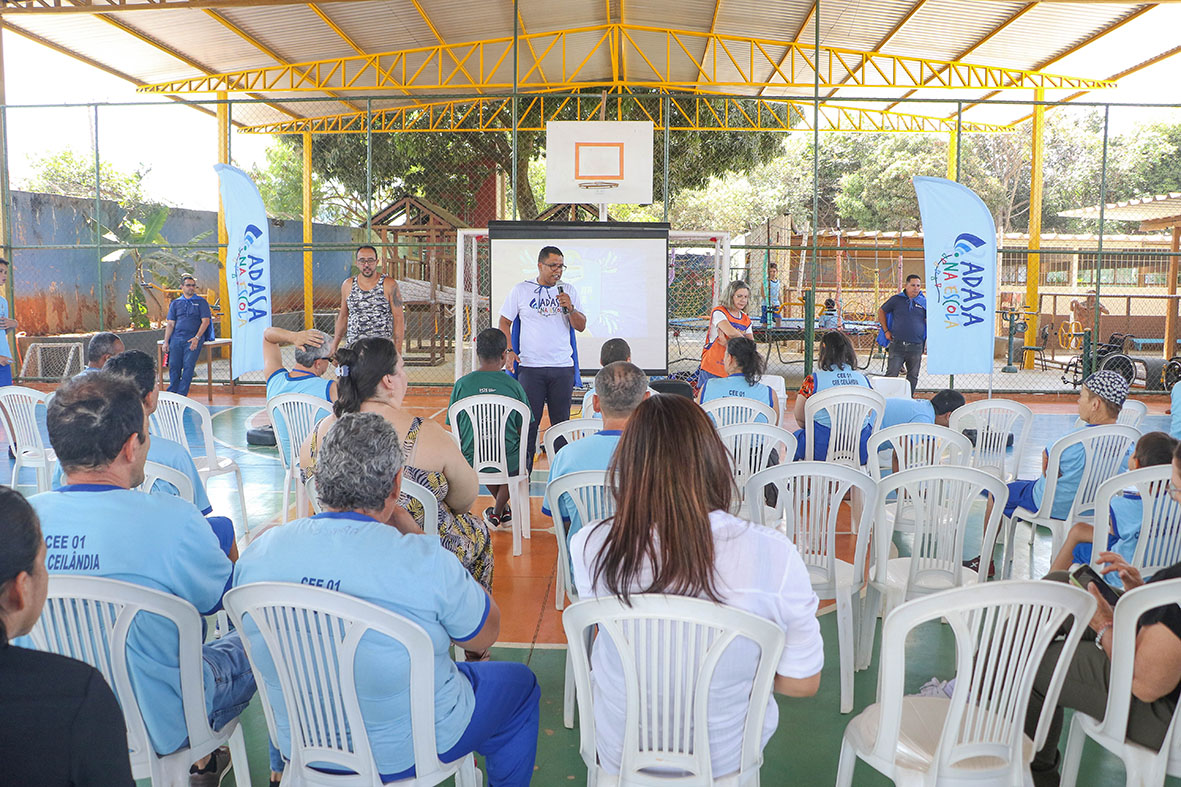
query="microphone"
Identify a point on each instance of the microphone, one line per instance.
(561, 292)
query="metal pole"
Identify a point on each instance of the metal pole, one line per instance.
(223, 157)
(810, 299)
(959, 125)
(368, 170)
(666, 109)
(6, 202)
(307, 231)
(516, 66)
(98, 231)
(1033, 261)
(1102, 218)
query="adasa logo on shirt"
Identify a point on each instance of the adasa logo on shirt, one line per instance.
(545, 306)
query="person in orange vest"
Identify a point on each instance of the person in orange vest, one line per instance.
(728, 320)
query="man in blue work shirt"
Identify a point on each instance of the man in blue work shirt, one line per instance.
(903, 319)
(188, 320)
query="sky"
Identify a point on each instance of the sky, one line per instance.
(178, 145)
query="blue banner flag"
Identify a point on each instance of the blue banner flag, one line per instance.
(248, 267)
(959, 245)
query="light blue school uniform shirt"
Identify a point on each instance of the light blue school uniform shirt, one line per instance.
(157, 541)
(1175, 409)
(592, 452)
(283, 381)
(1070, 473)
(170, 454)
(410, 575)
(839, 375)
(736, 385)
(908, 411)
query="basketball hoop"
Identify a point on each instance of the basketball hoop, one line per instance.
(598, 185)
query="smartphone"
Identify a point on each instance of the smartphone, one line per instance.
(1085, 575)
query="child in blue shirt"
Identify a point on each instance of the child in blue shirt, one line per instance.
(1099, 401)
(1154, 448)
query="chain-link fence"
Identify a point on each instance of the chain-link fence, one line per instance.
(823, 234)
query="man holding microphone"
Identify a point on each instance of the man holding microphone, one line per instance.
(539, 318)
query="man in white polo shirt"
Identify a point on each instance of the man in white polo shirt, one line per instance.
(539, 318)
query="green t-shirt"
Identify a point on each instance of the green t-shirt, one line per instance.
(499, 383)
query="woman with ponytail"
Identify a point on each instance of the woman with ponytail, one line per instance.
(744, 367)
(371, 379)
(63, 725)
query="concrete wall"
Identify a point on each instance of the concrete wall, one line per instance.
(57, 290)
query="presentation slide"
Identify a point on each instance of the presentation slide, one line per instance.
(619, 270)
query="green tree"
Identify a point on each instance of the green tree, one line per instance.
(71, 174)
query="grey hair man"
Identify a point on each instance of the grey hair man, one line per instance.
(619, 389)
(102, 346)
(352, 550)
(313, 354)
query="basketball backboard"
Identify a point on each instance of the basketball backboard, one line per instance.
(598, 161)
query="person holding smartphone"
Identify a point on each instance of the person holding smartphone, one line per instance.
(1156, 676)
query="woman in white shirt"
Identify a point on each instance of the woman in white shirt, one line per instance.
(671, 533)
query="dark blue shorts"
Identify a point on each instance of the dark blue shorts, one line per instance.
(820, 434)
(1082, 552)
(1021, 496)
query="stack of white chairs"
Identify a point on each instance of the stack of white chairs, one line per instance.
(1002, 632)
(489, 415)
(169, 421)
(808, 496)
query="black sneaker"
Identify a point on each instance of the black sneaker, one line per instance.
(213, 771)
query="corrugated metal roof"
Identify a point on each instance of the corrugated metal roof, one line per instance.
(1160, 206)
(1019, 35)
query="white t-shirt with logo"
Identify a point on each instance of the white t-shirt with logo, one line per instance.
(545, 331)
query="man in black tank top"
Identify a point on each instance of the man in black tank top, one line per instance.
(370, 305)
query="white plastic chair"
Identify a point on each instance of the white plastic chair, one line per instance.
(1105, 448)
(994, 421)
(809, 496)
(20, 406)
(89, 619)
(669, 649)
(312, 637)
(428, 501)
(891, 387)
(299, 414)
(169, 421)
(915, 445)
(309, 489)
(1132, 413)
(750, 447)
(154, 471)
(574, 429)
(1159, 543)
(849, 408)
(1143, 766)
(488, 415)
(730, 410)
(1002, 631)
(777, 384)
(941, 499)
(587, 491)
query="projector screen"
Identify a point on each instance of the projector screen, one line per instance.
(619, 270)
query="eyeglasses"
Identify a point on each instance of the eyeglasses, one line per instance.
(366, 259)
(555, 266)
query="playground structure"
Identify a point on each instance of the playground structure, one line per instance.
(491, 74)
